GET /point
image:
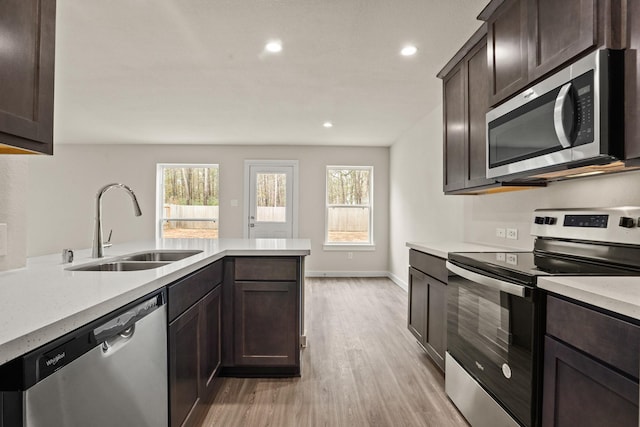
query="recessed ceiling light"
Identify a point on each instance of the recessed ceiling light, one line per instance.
(327, 124)
(409, 50)
(274, 46)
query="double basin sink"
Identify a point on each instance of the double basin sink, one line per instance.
(138, 261)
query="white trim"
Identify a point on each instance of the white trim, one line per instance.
(389, 275)
(160, 191)
(247, 177)
(348, 247)
(326, 204)
(398, 281)
(346, 274)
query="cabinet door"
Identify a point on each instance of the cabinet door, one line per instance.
(558, 32)
(436, 339)
(579, 391)
(477, 107)
(507, 50)
(266, 324)
(454, 130)
(26, 75)
(632, 81)
(210, 354)
(418, 297)
(184, 349)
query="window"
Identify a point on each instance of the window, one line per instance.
(349, 205)
(188, 202)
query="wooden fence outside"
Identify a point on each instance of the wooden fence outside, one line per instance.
(340, 218)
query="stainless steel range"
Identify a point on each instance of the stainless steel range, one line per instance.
(495, 311)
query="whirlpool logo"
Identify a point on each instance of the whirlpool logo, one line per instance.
(54, 360)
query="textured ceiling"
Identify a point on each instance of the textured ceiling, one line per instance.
(194, 71)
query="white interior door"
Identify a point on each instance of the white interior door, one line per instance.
(272, 204)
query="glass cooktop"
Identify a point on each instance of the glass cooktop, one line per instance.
(525, 267)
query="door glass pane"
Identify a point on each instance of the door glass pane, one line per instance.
(348, 224)
(271, 197)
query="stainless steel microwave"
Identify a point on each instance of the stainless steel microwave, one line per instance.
(572, 118)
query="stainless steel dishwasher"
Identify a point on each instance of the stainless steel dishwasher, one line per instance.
(112, 372)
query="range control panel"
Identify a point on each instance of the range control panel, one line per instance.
(614, 225)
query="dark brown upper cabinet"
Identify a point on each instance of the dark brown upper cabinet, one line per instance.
(466, 102)
(26, 76)
(465, 83)
(632, 81)
(529, 39)
(507, 50)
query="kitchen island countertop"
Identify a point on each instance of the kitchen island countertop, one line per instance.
(44, 300)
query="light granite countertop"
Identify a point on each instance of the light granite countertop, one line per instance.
(617, 294)
(44, 300)
(442, 249)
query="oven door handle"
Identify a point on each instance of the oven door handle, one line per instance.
(490, 282)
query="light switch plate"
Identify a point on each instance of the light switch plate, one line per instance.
(3, 239)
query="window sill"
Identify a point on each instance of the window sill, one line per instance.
(350, 247)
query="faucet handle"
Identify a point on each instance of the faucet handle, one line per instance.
(108, 243)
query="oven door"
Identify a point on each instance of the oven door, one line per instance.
(490, 332)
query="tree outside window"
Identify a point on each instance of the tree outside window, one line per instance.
(349, 204)
(188, 201)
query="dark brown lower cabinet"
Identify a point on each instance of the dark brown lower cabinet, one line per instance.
(262, 316)
(194, 338)
(591, 367)
(427, 316)
(266, 328)
(194, 358)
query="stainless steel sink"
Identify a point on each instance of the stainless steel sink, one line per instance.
(138, 261)
(115, 265)
(159, 255)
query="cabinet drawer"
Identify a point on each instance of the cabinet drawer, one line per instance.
(188, 290)
(261, 268)
(603, 336)
(429, 264)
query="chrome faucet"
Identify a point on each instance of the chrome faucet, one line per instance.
(98, 246)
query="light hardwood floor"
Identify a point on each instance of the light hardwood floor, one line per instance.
(362, 367)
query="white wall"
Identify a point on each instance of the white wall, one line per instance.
(62, 195)
(515, 209)
(13, 209)
(419, 211)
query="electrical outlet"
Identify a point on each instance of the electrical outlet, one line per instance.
(500, 232)
(512, 259)
(3, 239)
(349, 255)
(512, 233)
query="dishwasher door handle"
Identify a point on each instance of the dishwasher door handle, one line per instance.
(116, 341)
(489, 282)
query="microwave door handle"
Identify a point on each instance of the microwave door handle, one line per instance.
(489, 282)
(558, 109)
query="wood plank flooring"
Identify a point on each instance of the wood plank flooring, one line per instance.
(362, 367)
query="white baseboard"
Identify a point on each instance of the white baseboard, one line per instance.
(395, 279)
(346, 273)
(398, 281)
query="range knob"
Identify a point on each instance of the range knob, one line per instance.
(550, 220)
(539, 220)
(627, 222)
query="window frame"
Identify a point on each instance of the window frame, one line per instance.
(160, 219)
(348, 246)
